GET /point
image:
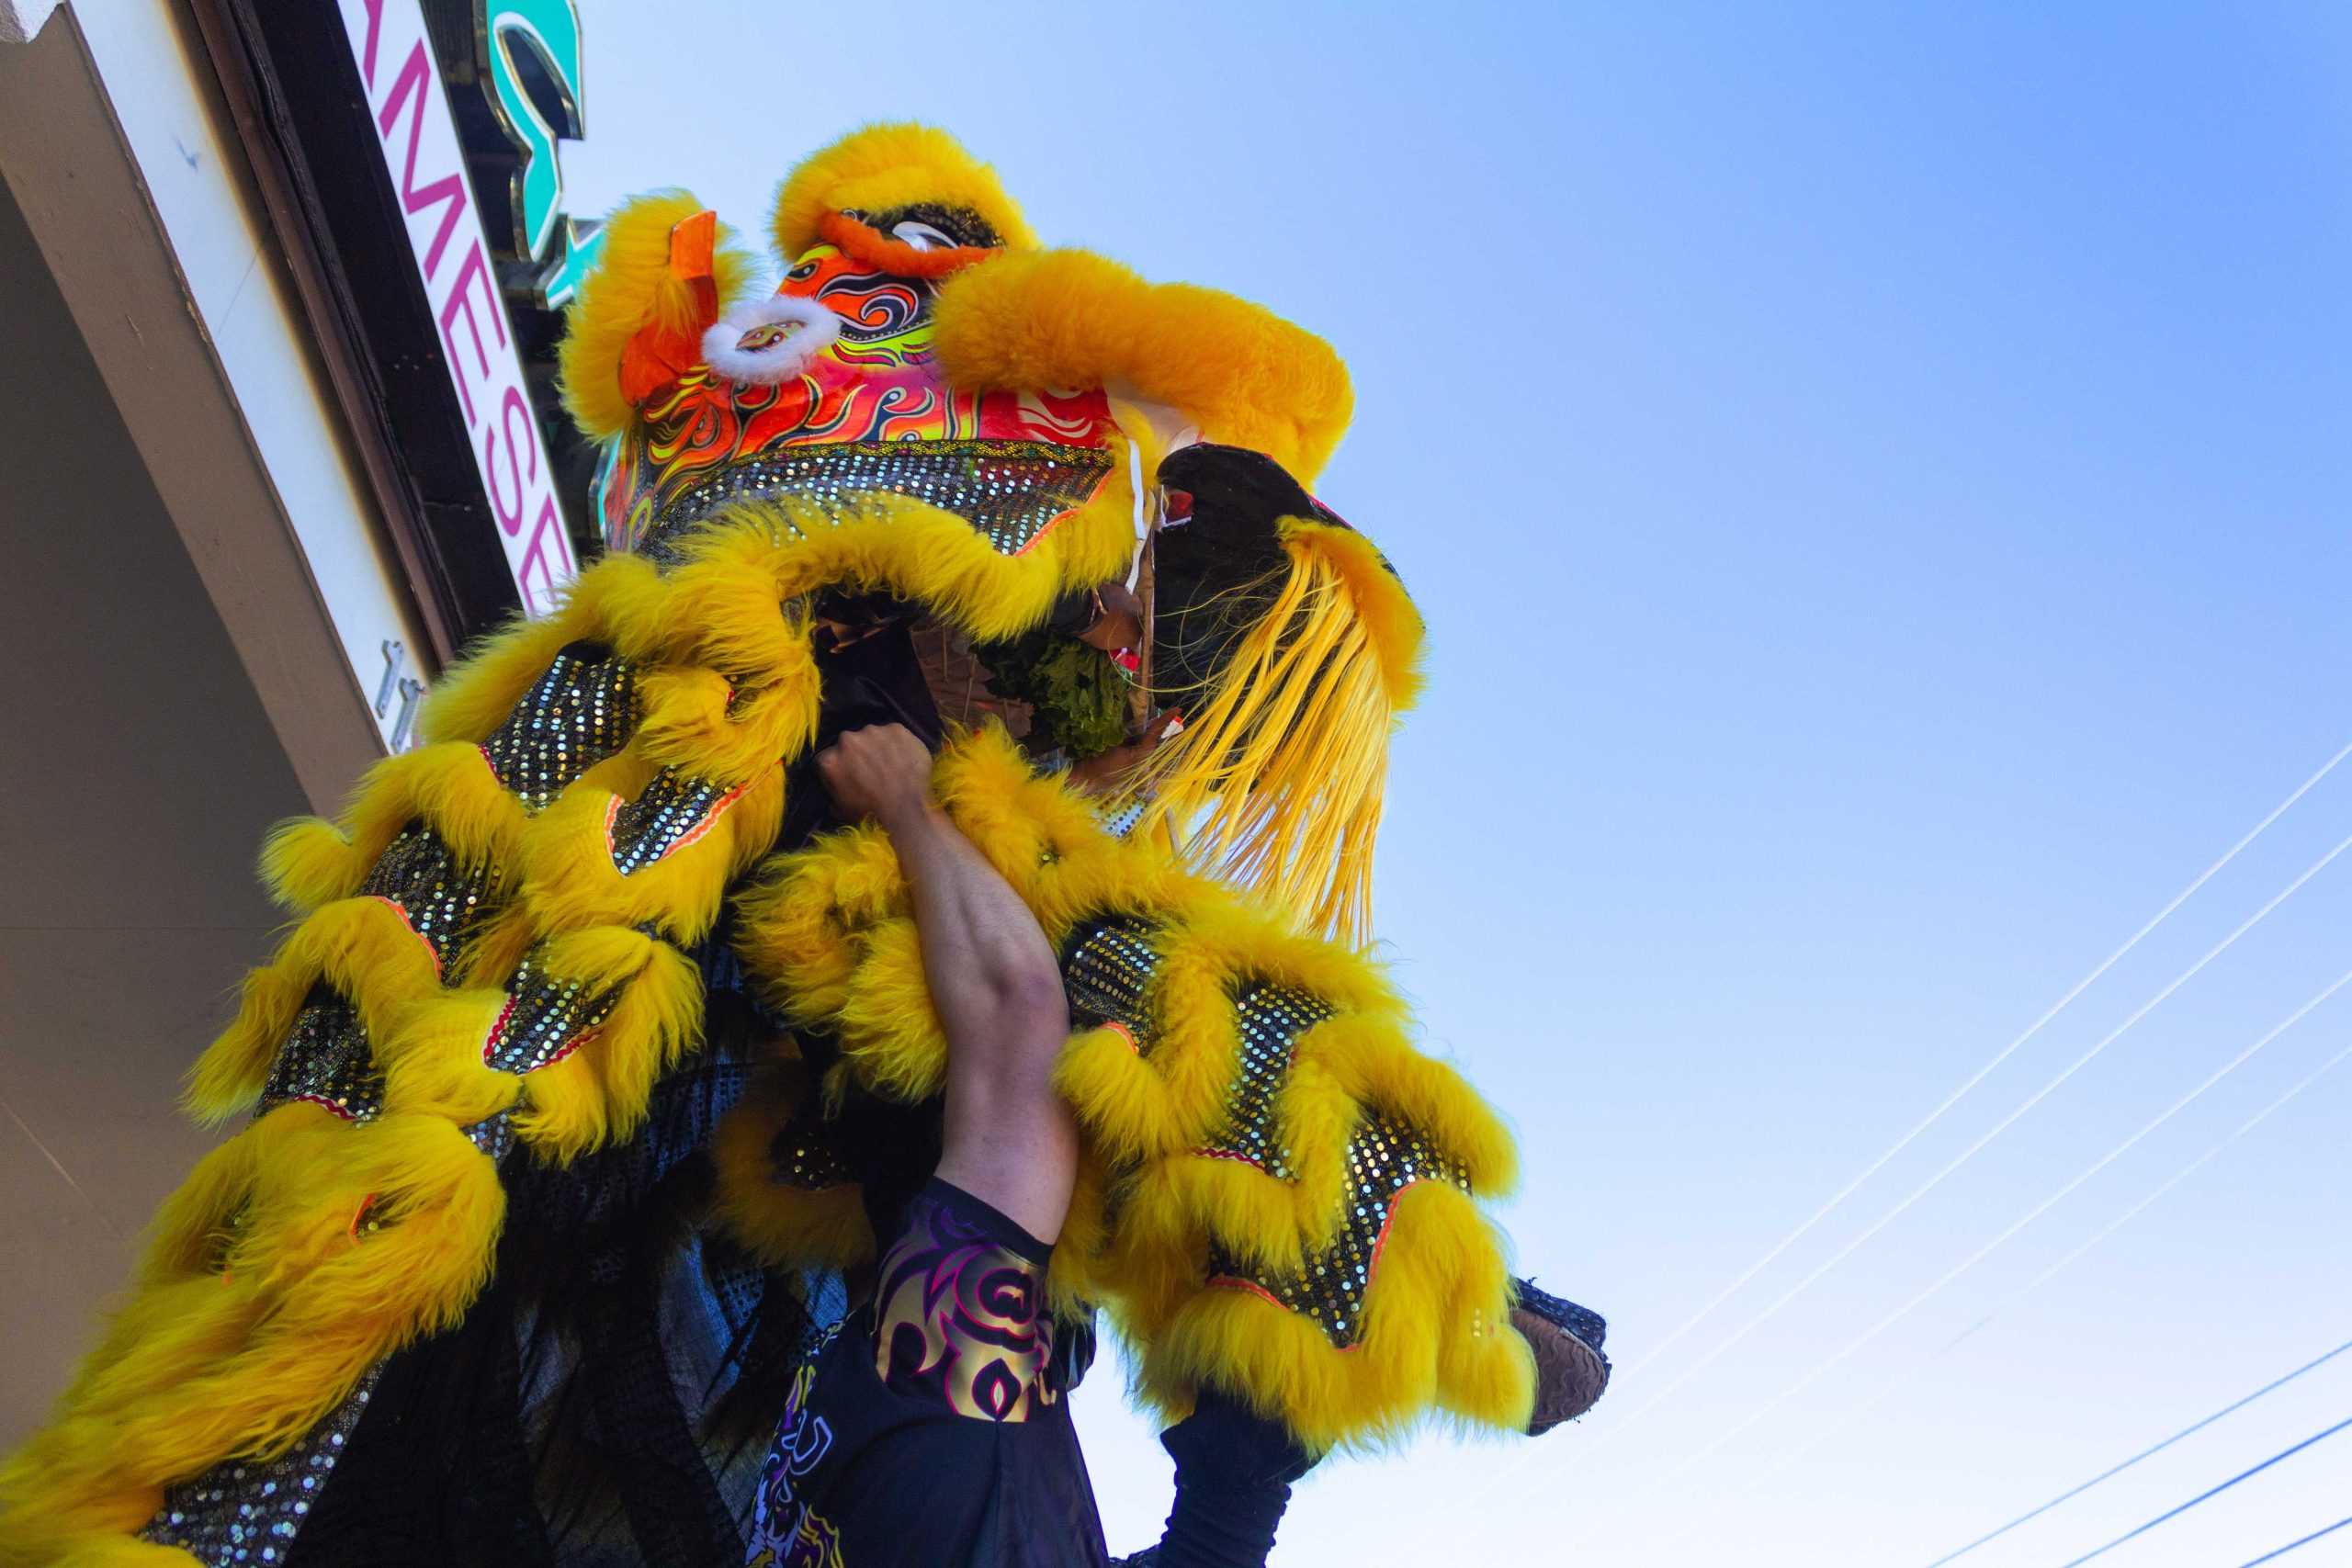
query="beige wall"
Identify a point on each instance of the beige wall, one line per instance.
(137, 772)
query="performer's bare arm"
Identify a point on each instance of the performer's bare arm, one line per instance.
(1009, 1140)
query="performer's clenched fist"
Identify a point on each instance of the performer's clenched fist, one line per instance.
(881, 772)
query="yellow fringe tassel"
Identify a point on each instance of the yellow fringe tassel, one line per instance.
(1277, 777)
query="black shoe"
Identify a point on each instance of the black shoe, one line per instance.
(1571, 1371)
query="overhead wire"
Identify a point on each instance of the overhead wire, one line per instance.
(2211, 1492)
(1772, 1253)
(2065, 1190)
(1504, 1472)
(2003, 1125)
(2111, 1471)
(1897, 1384)
(2297, 1544)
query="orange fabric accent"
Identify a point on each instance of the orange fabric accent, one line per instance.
(877, 249)
(659, 353)
(693, 243)
(654, 358)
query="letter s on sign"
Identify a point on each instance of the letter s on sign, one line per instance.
(513, 408)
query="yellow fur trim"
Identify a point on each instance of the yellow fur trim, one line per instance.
(883, 166)
(490, 956)
(632, 288)
(346, 1243)
(783, 1225)
(1435, 1333)
(308, 862)
(597, 1094)
(433, 1066)
(1069, 317)
(755, 557)
(829, 934)
(1277, 778)
(698, 720)
(799, 919)
(569, 880)
(364, 947)
(891, 1036)
(620, 601)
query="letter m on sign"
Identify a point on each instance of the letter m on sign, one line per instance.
(410, 89)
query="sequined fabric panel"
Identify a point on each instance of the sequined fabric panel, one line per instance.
(1107, 974)
(493, 1136)
(246, 1513)
(325, 1060)
(578, 714)
(545, 1018)
(441, 898)
(1384, 1158)
(1120, 822)
(1009, 491)
(1269, 1019)
(673, 809)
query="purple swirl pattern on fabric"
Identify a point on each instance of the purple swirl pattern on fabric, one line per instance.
(786, 1531)
(959, 1316)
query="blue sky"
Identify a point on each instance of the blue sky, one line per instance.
(1876, 478)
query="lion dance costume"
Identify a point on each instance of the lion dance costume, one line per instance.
(568, 1099)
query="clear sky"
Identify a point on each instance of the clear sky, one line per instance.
(1877, 479)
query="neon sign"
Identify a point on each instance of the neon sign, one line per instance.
(520, 45)
(419, 144)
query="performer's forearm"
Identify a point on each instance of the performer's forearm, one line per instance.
(1007, 1137)
(983, 955)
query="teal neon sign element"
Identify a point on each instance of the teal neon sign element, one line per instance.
(547, 33)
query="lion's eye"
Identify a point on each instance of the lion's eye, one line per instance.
(921, 236)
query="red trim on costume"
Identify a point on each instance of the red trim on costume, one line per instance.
(401, 911)
(613, 809)
(568, 1046)
(490, 1041)
(498, 1030)
(1230, 1282)
(1371, 1269)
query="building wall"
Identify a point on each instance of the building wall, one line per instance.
(137, 775)
(159, 86)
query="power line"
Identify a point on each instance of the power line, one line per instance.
(2150, 1453)
(2133, 1212)
(2028, 1218)
(2306, 1540)
(1896, 1385)
(1978, 1076)
(1504, 1472)
(1997, 1129)
(2212, 1492)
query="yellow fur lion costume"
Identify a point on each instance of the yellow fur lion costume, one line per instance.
(512, 948)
